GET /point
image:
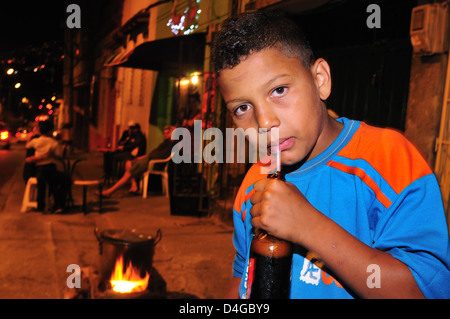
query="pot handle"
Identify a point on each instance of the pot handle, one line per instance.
(157, 237)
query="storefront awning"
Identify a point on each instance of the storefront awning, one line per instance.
(175, 56)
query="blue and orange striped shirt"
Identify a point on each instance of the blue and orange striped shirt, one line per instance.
(377, 186)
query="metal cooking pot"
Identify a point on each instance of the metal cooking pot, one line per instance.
(134, 246)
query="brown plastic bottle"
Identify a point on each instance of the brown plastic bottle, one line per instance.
(269, 266)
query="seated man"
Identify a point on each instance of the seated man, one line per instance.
(132, 146)
(47, 150)
(135, 168)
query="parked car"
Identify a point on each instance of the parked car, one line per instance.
(5, 137)
(22, 135)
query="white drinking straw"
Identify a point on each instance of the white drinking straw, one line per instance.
(278, 158)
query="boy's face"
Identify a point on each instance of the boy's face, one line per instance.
(271, 90)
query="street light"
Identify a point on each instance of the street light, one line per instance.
(10, 71)
(18, 85)
(195, 77)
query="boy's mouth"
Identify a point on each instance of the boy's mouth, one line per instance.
(281, 145)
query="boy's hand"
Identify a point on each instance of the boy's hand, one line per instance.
(281, 209)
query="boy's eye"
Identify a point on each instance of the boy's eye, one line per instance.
(241, 109)
(279, 91)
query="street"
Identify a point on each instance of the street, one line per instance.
(10, 161)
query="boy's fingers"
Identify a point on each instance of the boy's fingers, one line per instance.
(261, 184)
(255, 222)
(256, 197)
(259, 218)
(263, 190)
(256, 210)
(253, 210)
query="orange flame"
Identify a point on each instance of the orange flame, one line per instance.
(130, 281)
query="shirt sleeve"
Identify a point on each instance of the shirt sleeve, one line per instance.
(239, 234)
(238, 242)
(242, 219)
(30, 143)
(414, 230)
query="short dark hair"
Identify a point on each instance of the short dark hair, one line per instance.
(252, 32)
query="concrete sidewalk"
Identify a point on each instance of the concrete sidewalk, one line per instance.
(194, 256)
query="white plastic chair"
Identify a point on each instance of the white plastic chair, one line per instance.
(163, 173)
(30, 195)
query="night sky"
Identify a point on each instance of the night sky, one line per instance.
(30, 22)
(31, 36)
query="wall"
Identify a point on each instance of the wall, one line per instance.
(135, 87)
(425, 103)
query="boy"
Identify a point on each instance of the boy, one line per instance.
(359, 203)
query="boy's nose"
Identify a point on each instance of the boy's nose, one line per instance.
(266, 117)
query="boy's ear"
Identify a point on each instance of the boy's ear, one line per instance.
(322, 76)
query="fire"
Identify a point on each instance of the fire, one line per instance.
(130, 281)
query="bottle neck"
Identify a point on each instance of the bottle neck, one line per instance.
(278, 175)
(270, 246)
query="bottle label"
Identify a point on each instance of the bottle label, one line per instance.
(251, 276)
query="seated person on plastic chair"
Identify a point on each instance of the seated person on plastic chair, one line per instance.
(132, 147)
(47, 149)
(135, 168)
